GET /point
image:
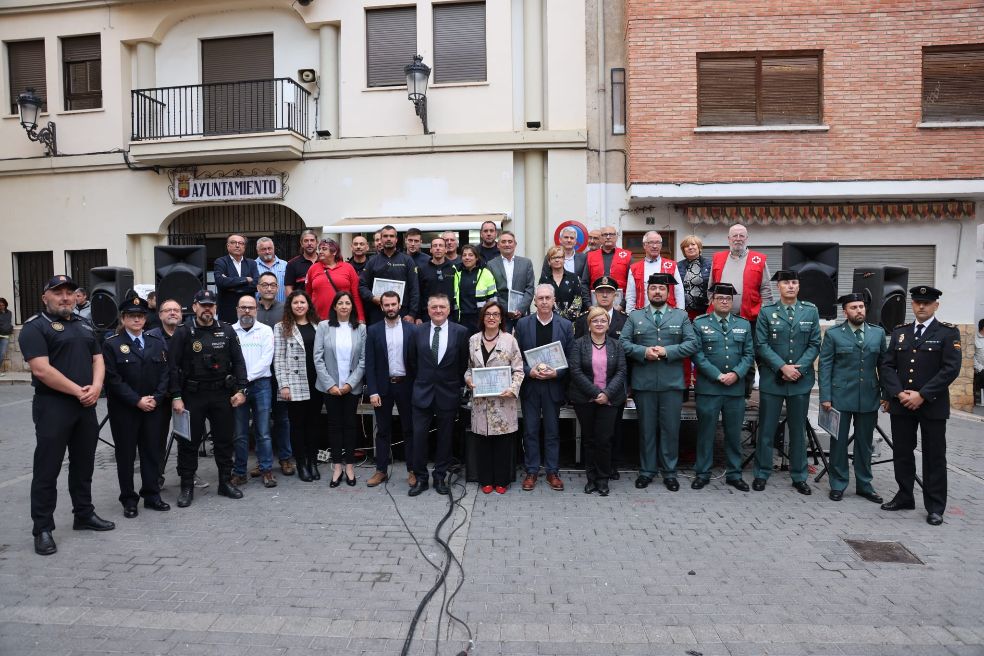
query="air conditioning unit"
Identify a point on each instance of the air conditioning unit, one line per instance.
(307, 75)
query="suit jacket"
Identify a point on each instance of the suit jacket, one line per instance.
(580, 268)
(326, 364)
(674, 332)
(437, 385)
(721, 352)
(848, 371)
(927, 365)
(563, 332)
(779, 341)
(289, 364)
(230, 286)
(582, 388)
(132, 374)
(377, 357)
(522, 281)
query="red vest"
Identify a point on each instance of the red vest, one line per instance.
(751, 298)
(637, 270)
(619, 269)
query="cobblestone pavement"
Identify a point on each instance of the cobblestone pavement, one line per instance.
(303, 569)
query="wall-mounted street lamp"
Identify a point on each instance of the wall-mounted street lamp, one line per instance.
(418, 75)
(30, 107)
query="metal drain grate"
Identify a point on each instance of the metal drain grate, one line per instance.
(871, 551)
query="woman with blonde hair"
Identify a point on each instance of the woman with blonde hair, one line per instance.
(695, 271)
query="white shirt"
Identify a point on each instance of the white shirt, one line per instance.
(569, 262)
(257, 345)
(925, 324)
(343, 351)
(442, 343)
(238, 264)
(650, 267)
(507, 267)
(394, 348)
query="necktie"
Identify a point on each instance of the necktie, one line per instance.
(919, 330)
(436, 342)
(789, 311)
(724, 325)
(138, 342)
(657, 316)
(860, 335)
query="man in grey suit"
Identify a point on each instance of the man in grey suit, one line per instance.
(512, 273)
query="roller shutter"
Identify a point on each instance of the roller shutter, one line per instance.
(459, 42)
(238, 94)
(391, 43)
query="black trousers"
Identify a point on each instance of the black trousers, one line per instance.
(444, 420)
(305, 420)
(135, 430)
(400, 396)
(213, 405)
(597, 427)
(341, 426)
(60, 423)
(933, 458)
(494, 456)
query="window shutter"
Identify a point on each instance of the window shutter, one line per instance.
(237, 59)
(726, 91)
(81, 59)
(391, 43)
(459, 42)
(80, 48)
(953, 85)
(26, 62)
(790, 90)
(231, 106)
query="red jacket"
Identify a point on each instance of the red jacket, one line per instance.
(638, 268)
(619, 269)
(751, 297)
(322, 292)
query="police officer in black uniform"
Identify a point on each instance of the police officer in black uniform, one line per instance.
(922, 360)
(137, 376)
(67, 376)
(208, 378)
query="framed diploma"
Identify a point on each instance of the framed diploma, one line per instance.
(491, 381)
(181, 424)
(380, 285)
(551, 355)
(829, 420)
(516, 302)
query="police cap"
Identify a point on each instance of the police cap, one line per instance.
(723, 288)
(133, 304)
(785, 274)
(204, 297)
(661, 279)
(61, 281)
(605, 282)
(925, 293)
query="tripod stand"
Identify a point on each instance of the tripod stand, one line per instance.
(812, 440)
(850, 455)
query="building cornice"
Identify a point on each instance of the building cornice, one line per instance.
(971, 188)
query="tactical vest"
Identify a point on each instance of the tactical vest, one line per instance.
(207, 355)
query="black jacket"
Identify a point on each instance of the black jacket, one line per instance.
(582, 388)
(132, 374)
(927, 365)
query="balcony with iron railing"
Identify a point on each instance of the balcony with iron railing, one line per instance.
(219, 122)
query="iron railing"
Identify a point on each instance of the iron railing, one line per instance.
(220, 108)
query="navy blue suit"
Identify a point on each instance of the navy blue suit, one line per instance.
(436, 393)
(231, 285)
(391, 390)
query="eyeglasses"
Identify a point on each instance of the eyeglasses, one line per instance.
(236, 243)
(608, 234)
(492, 315)
(267, 284)
(246, 308)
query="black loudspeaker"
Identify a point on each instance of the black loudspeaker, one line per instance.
(179, 272)
(816, 263)
(109, 285)
(884, 290)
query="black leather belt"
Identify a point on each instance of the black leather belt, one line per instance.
(397, 379)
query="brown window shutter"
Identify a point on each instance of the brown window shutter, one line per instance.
(726, 91)
(790, 90)
(459, 42)
(953, 84)
(237, 59)
(80, 48)
(238, 95)
(26, 62)
(391, 43)
(81, 61)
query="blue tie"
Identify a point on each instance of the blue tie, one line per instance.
(138, 342)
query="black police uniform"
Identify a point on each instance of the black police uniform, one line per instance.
(133, 372)
(927, 364)
(435, 279)
(60, 421)
(399, 267)
(207, 369)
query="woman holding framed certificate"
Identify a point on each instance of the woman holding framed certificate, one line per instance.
(492, 355)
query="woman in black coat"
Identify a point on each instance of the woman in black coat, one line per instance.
(597, 389)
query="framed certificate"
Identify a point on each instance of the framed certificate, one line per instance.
(829, 420)
(516, 301)
(181, 424)
(380, 285)
(551, 355)
(491, 381)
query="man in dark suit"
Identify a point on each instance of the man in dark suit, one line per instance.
(438, 360)
(916, 373)
(513, 278)
(388, 382)
(544, 388)
(235, 277)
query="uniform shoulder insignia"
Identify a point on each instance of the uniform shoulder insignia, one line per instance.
(948, 325)
(905, 325)
(32, 319)
(703, 317)
(808, 304)
(113, 336)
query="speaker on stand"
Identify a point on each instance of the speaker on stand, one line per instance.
(816, 263)
(109, 286)
(179, 272)
(884, 290)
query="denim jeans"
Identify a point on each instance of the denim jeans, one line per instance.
(258, 398)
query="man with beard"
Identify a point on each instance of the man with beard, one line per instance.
(390, 264)
(436, 276)
(849, 383)
(360, 250)
(67, 375)
(269, 312)
(296, 272)
(268, 262)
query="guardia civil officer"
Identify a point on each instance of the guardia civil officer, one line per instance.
(137, 376)
(208, 378)
(725, 353)
(848, 372)
(67, 376)
(921, 362)
(787, 341)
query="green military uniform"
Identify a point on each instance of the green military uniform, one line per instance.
(724, 345)
(657, 385)
(848, 373)
(785, 335)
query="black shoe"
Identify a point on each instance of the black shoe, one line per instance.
(602, 488)
(315, 474)
(304, 472)
(130, 511)
(44, 544)
(934, 519)
(738, 484)
(671, 484)
(335, 482)
(802, 487)
(187, 494)
(758, 484)
(614, 476)
(872, 496)
(897, 504)
(227, 489)
(642, 482)
(419, 487)
(698, 484)
(92, 523)
(836, 495)
(157, 504)
(352, 481)
(441, 487)
(590, 487)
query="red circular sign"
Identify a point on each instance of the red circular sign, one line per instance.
(582, 234)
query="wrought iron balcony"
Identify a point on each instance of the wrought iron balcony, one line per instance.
(224, 108)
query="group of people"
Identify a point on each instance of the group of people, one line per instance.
(281, 341)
